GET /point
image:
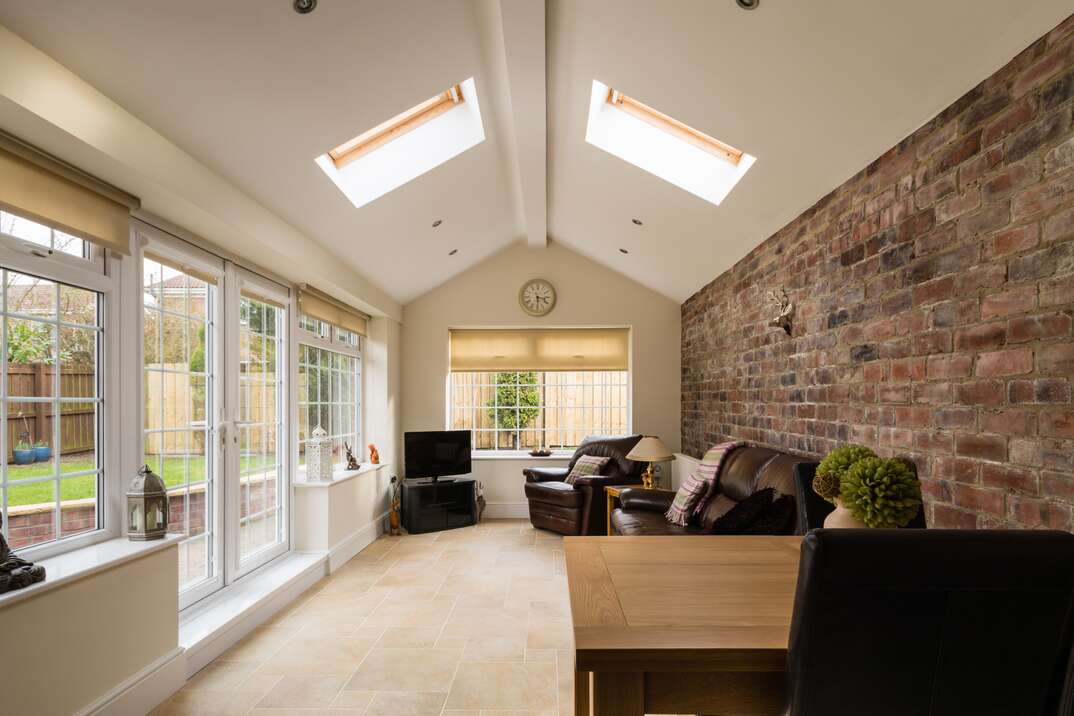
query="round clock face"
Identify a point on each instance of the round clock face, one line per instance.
(537, 297)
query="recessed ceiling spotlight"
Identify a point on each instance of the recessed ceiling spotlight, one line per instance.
(452, 252)
(623, 251)
(748, 4)
(637, 222)
(437, 223)
(305, 7)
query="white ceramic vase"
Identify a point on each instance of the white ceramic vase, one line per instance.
(840, 517)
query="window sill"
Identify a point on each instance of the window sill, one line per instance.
(519, 455)
(83, 562)
(338, 476)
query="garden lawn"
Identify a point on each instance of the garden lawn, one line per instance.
(84, 486)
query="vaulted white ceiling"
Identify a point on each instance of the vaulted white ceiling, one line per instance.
(814, 90)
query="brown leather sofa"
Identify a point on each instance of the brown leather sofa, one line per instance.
(745, 471)
(581, 508)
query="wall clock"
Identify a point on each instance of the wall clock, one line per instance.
(537, 297)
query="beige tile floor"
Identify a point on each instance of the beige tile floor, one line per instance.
(469, 622)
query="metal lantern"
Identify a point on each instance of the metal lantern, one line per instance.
(147, 506)
(319, 456)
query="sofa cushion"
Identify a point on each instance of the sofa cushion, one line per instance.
(717, 507)
(585, 466)
(738, 478)
(644, 522)
(742, 516)
(778, 473)
(557, 493)
(699, 485)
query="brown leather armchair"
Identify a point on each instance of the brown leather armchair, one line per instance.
(580, 509)
(745, 471)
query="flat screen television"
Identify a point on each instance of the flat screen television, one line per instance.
(437, 453)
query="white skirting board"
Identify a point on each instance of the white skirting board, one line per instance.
(361, 538)
(145, 689)
(506, 510)
(227, 618)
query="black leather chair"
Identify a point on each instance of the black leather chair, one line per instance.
(932, 622)
(812, 508)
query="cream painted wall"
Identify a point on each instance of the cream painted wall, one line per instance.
(67, 647)
(588, 294)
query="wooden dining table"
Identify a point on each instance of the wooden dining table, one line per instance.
(681, 624)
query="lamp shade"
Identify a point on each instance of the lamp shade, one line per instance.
(650, 449)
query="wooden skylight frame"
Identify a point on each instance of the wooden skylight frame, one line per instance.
(674, 127)
(397, 126)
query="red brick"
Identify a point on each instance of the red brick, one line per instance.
(981, 337)
(1057, 291)
(984, 447)
(1059, 227)
(933, 442)
(1056, 358)
(950, 366)
(908, 369)
(1028, 328)
(1057, 425)
(980, 392)
(947, 517)
(1010, 362)
(959, 469)
(933, 291)
(955, 417)
(1009, 422)
(1011, 241)
(980, 500)
(1017, 300)
(935, 393)
(1035, 512)
(1057, 484)
(912, 417)
(1025, 452)
(932, 342)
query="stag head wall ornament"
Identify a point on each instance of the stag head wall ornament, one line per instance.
(785, 318)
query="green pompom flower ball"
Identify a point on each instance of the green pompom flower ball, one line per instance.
(833, 469)
(881, 493)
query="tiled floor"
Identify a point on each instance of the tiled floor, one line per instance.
(469, 622)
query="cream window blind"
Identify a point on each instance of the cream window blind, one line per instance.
(553, 349)
(319, 305)
(34, 185)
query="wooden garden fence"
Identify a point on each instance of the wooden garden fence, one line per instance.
(77, 420)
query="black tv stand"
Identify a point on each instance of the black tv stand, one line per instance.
(430, 505)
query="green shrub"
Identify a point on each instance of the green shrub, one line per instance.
(881, 493)
(833, 468)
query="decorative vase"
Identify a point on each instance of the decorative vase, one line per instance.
(24, 457)
(42, 453)
(840, 517)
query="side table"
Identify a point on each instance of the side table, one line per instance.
(612, 493)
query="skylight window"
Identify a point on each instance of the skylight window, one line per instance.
(663, 146)
(407, 145)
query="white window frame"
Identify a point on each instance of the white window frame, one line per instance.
(236, 279)
(101, 272)
(183, 254)
(478, 454)
(332, 343)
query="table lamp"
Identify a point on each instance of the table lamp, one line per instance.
(649, 449)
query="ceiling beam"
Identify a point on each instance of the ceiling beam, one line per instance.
(523, 26)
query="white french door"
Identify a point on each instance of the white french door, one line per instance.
(257, 456)
(215, 418)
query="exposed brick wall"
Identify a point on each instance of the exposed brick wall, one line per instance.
(934, 294)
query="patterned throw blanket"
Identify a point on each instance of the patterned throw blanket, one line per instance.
(691, 497)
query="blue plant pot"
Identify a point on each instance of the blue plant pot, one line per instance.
(41, 454)
(24, 457)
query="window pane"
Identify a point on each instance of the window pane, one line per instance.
(31, 512)
(178, 406)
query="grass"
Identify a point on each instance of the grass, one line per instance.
(85, 486)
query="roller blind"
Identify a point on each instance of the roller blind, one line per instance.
(44, 190)
(540, 349)
(319, 305)
(192, 271)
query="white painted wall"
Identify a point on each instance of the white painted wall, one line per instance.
(588, 294)
(66, 649)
